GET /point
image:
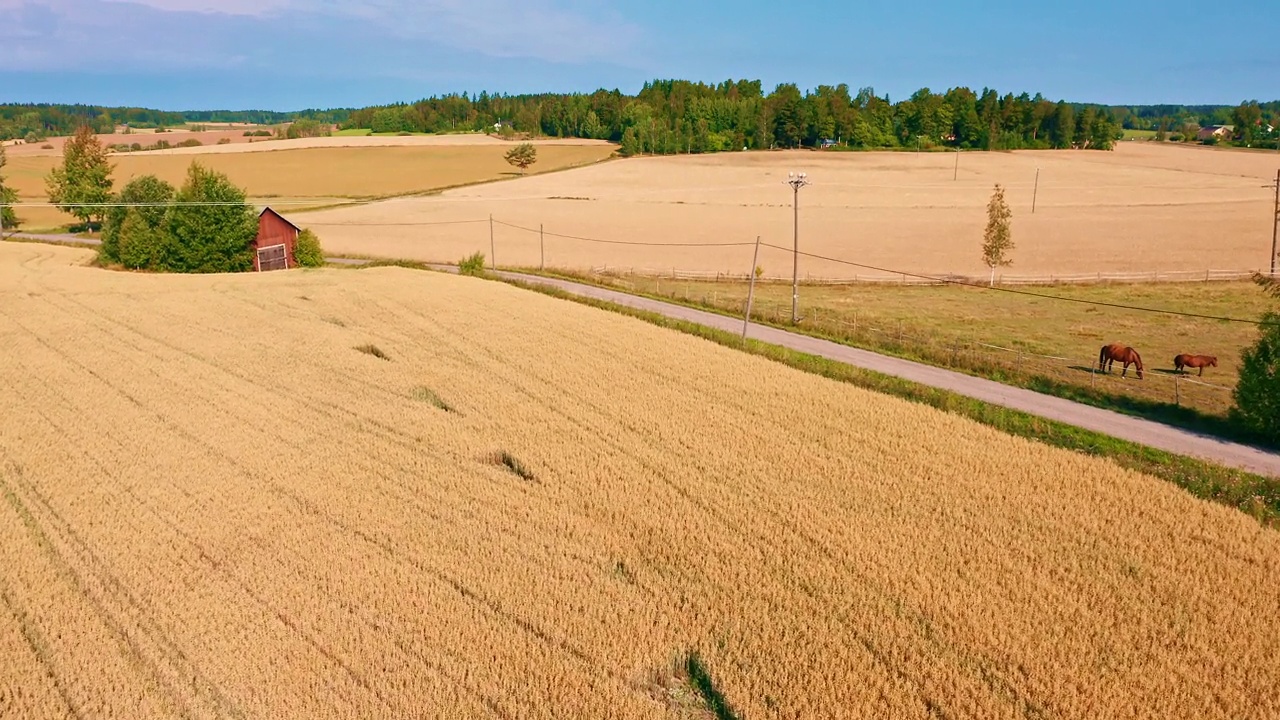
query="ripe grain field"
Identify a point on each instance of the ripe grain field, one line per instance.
(1144, 207)
(299, 170)
(216, 505)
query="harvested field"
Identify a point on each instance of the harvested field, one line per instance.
(215, 504)
(1143, 207)
(209, 137)
(318, 174)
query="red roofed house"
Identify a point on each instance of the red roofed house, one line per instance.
(276, 243)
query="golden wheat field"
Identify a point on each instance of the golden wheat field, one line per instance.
(314, 172)
(1143, 207)
(215, 505)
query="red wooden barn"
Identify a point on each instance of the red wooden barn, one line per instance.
(276, 243)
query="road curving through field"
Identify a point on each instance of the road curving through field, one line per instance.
(1145, 432)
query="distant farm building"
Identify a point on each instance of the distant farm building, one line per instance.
(1217, 132)
(276, 243)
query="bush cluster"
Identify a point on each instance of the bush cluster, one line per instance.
(205, 226)
(308, 252)
(473, 265)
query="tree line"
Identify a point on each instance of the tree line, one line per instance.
(679, 116)
(669, 116)
(34, 122)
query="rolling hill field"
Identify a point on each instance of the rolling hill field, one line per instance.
(384, 492)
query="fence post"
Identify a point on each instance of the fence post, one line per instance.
(1019, 362)
(493, 256)
(542, 249)
(1092, 374)
(751, 289)
(1177, 390)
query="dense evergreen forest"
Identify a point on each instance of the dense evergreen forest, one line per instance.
(670, 116)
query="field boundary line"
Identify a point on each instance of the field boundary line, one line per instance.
(1151, 276)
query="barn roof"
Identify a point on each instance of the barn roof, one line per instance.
(268, 209)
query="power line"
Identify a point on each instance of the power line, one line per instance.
(1028, 293)
(624, 242)
(423, 223)
(188, 204)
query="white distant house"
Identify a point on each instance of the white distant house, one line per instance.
(1216, 131)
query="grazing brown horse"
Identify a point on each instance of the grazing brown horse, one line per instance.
(1195, 361)
(1119, 351)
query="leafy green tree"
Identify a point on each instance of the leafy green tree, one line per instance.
(522, 156)
(84, 179)
(592, 127)
(8, 196)
(630, 142)
(211, 224)
(1063, 129)
(307, 252)
(139, 245)
(1257, 393)
(146, 197)
(997, 241)
(1247, 117)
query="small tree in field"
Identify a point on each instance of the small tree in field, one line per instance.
(998, 239)
(83, 179)
(522, 156)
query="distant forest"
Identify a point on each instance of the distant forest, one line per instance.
(38, 121)
(670, 116)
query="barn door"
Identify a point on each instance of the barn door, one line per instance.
(273, 258)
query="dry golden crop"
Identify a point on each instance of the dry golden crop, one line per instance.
(1144, 207)
(317, 171)
(218, 501)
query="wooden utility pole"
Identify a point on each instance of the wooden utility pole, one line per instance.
(751, 289)
(1275, 226)
(796, 181)
(493, 256)
(956, 175)
(1035, 192)
(542, 249)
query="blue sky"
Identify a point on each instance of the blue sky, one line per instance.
(292, 54)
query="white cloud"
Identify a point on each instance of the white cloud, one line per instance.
(225, 7)
(559, 31)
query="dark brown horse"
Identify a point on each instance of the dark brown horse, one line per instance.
(1195, 361)
(1119, 351)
